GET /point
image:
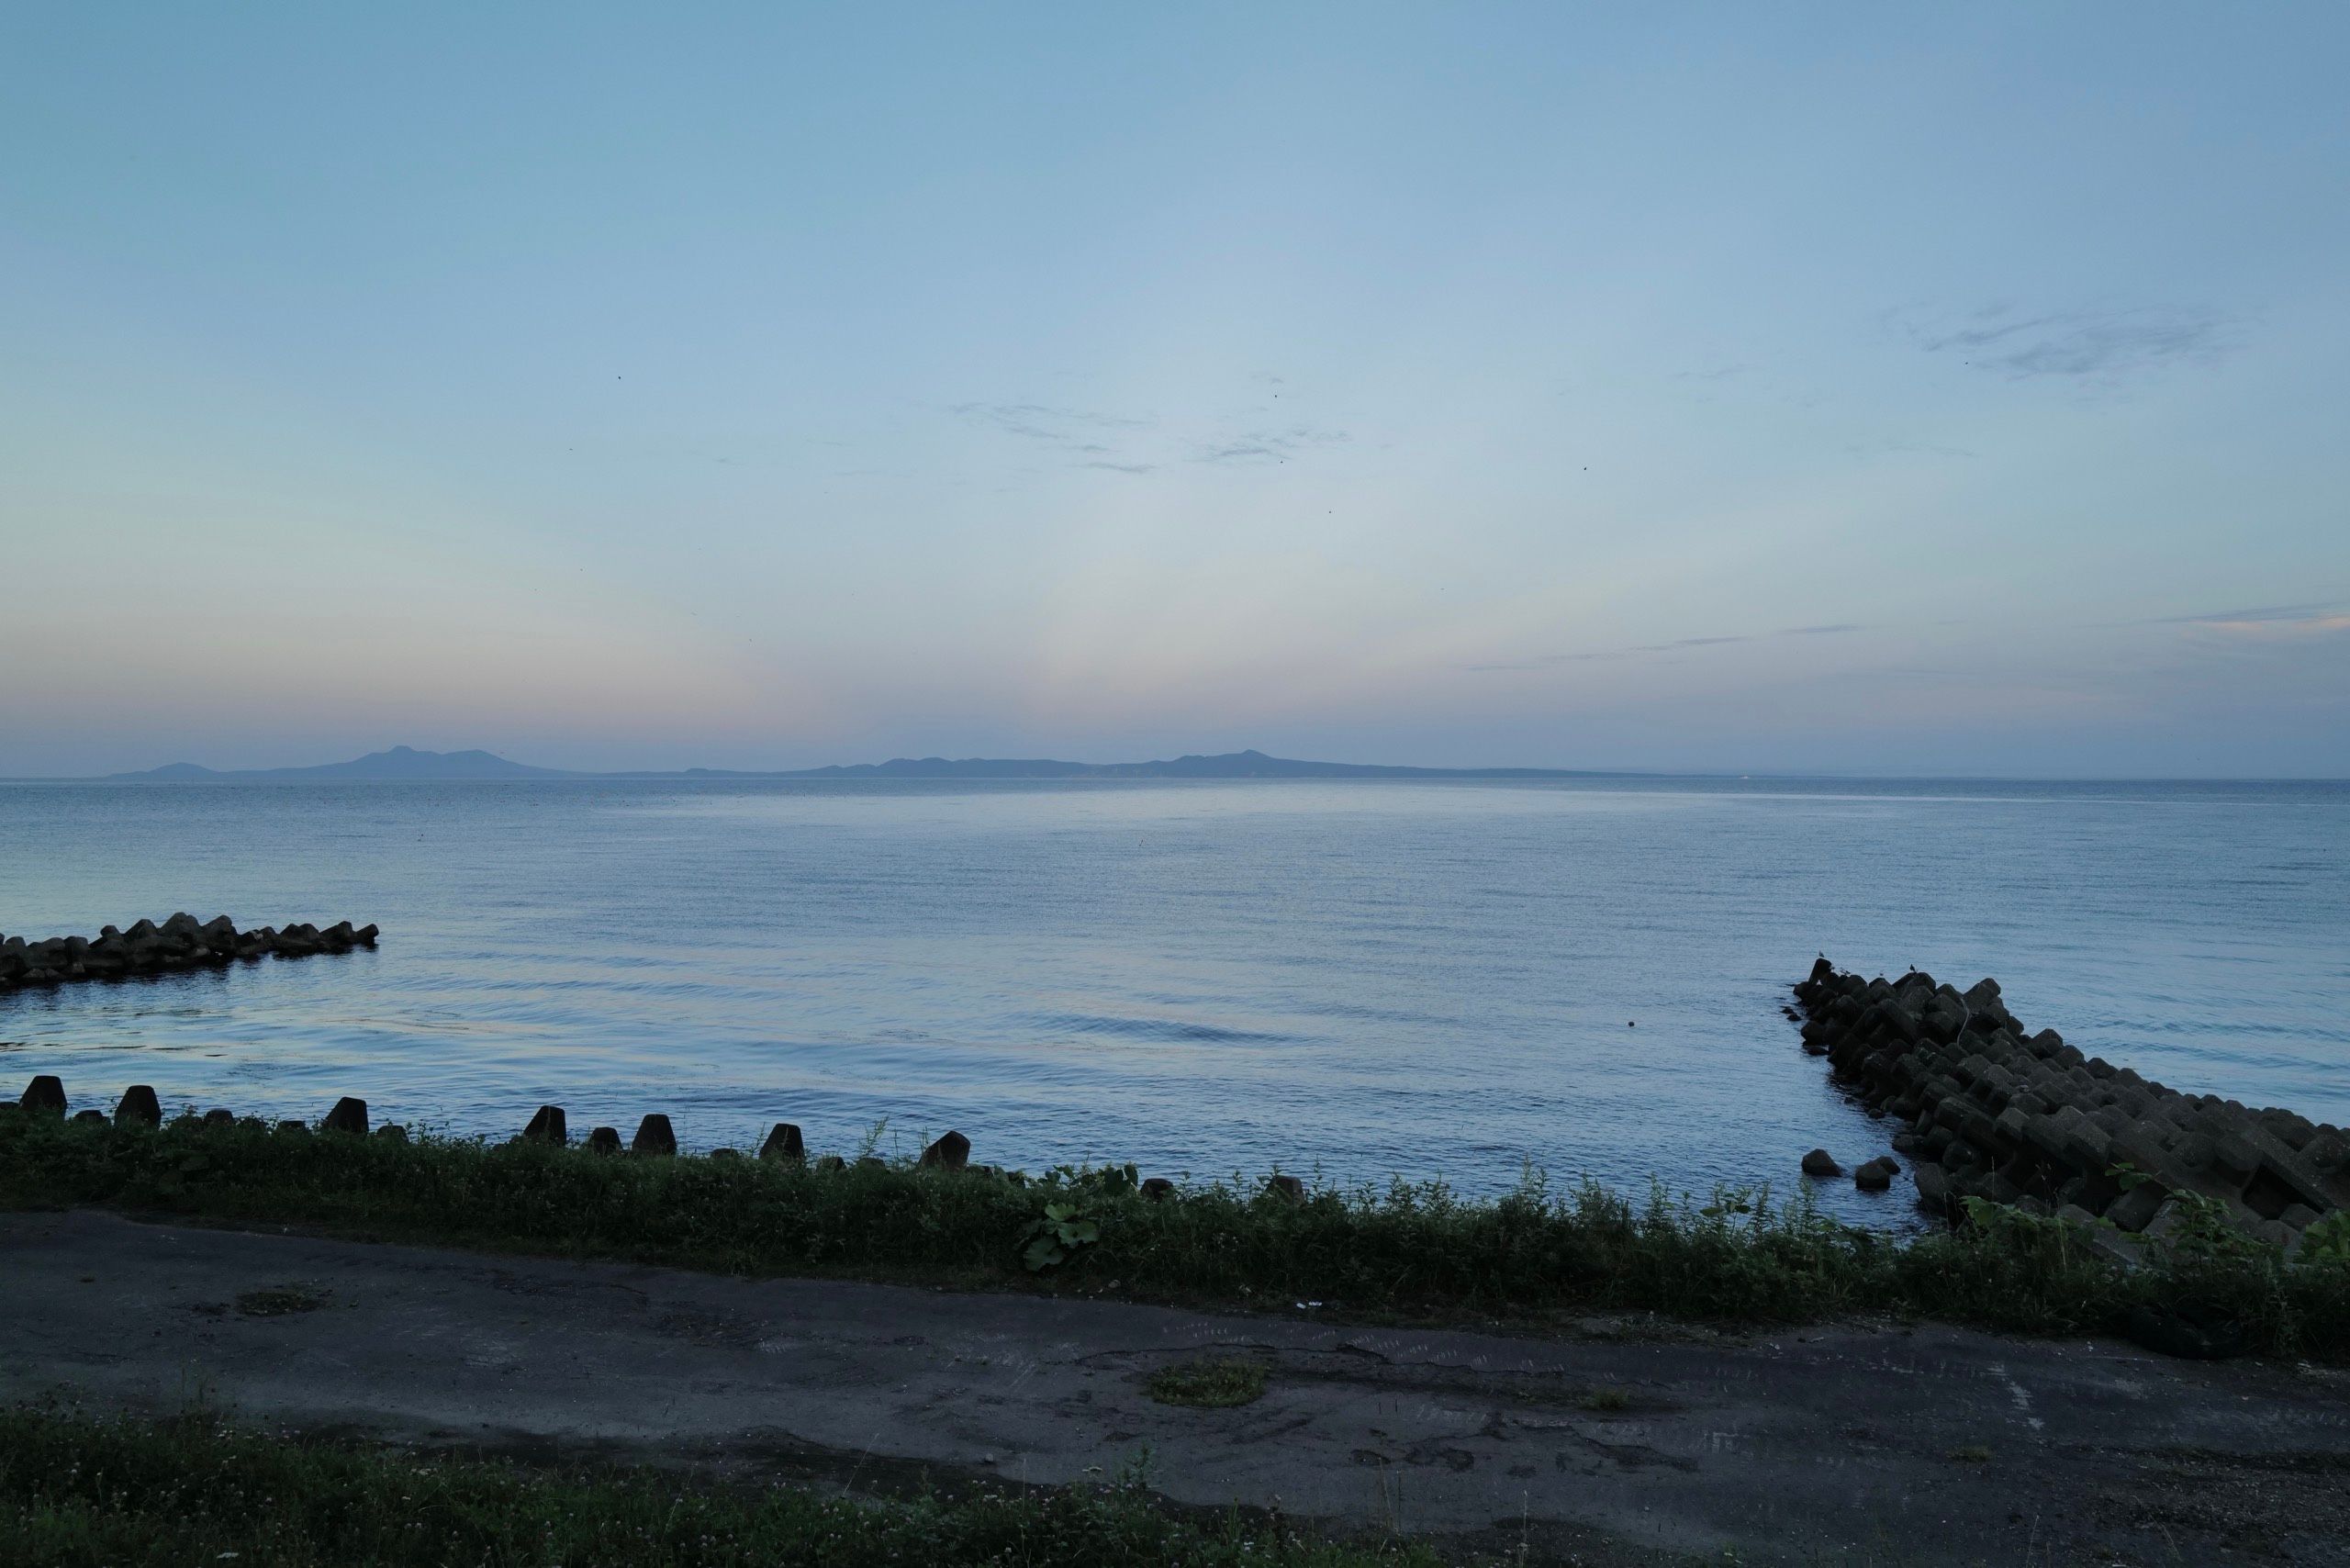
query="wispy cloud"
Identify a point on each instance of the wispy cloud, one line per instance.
(1080, 432)
(1549, 661)
(1122, 443)
(1743, 637)
(1907, 449)
(1268, 446)
(2263, 614)
(2099, 346)
(1043, 423)
(2296, 628)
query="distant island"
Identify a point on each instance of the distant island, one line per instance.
(406, 764)
(398, 764)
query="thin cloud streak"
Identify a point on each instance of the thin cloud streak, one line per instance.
(1100, 440)
(2279, 630)
(1547, 661)
(2088, 346)
(1277, 446)
(1720, 373)
(2268, 612)
(1040, 420)
(1074, 431)
(1907, 449)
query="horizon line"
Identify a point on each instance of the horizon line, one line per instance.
(1097, 772)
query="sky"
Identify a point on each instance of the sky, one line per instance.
(1852, 389)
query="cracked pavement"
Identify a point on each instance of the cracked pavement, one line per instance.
(1835, 1444)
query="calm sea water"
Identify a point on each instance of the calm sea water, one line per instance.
(1362, 979)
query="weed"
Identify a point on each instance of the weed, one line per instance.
(1410, 1250)
(279, 1301)
(2328, 1241)
(1973, 1453)
(76, 1492)
(1607, 1399)
(1058, 1234)
(1209, 1383)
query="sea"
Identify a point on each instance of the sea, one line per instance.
(1355, 981)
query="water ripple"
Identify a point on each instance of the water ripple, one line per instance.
(1360, 978)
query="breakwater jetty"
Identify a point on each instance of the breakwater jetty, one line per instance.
(1998, 1112)
(180, 942)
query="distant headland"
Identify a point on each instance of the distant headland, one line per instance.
(406, 764)
(399, 764)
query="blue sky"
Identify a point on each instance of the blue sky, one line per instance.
(1856, 388)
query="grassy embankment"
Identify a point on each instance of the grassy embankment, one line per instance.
(1406, 1252)
(80, 1491)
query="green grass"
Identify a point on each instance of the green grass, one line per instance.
(78, 1491)
(279, 1301)
(1410, 1252)
(1209, 1383)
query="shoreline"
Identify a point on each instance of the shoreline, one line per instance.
(1534, 1257)
(1995, 1113)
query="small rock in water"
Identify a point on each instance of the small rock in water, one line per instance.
(45, 1094)
(547, 1127)
(951, 1152)
(349, 1115)
(138, 1108)
(604, 1140)
(784, 1144)
(1288, 1187)
(1820, 1162)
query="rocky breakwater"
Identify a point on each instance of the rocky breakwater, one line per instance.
(2000, 1113)
(180, 942)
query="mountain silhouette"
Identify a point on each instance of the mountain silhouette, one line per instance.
(399, 763)
(406, 763)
